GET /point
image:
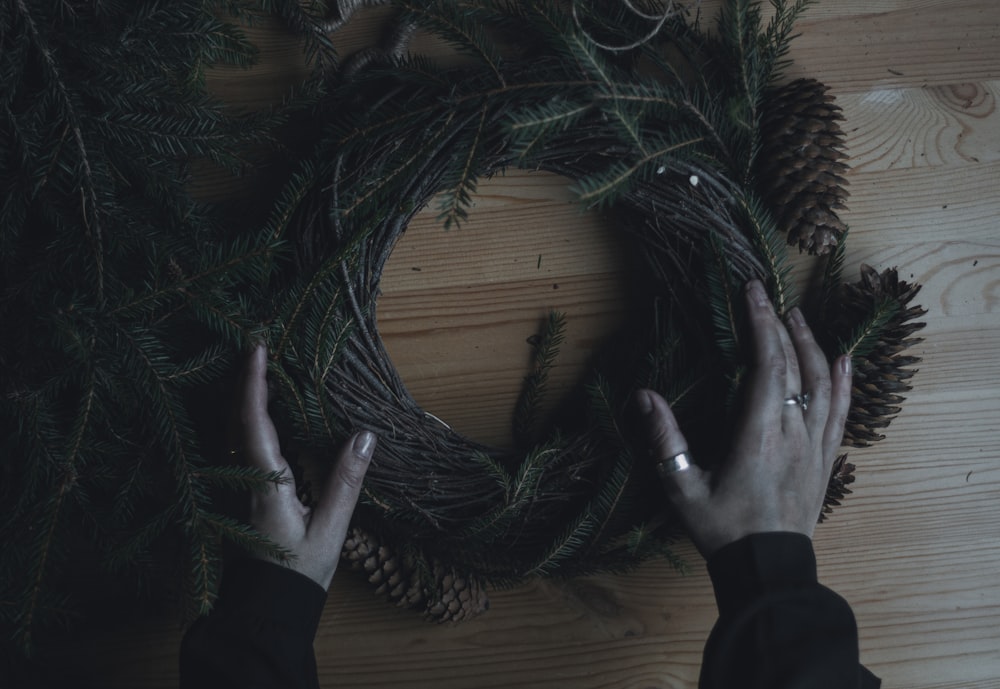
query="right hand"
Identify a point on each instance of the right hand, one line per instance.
(778, 467)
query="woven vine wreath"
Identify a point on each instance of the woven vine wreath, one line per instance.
(706, 164)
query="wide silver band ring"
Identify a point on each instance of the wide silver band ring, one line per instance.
(671, 465)
(798, 400)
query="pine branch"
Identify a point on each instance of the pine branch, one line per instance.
(405, 166)
(603, 410)
(778, 35)
(240, 478)
(833, 275)
(88, 189)
(529, 402)
(771, 247)
(724, 302)
(200, 369)
(126, 551)
(532, 125)
(458, 198)
(246, 537)
(458, 28)
(585, 530)
(204, 559)
(42, 552)
(865, 336)
(600, 189)
(642, 545)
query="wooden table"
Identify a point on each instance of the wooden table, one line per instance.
(915, 549)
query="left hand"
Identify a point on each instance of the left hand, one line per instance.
(315, 536)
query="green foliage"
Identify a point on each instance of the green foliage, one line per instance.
(526, 410)
(831, 279)
(128, 294)
(863, 339)
(770, 245)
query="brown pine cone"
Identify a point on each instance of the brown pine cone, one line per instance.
(840, 478)
(799, 169)
(442, 594)
(881, 370)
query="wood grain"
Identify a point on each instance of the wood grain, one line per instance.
(915, 549)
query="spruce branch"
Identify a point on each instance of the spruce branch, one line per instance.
(724, 302)
(43, 547)
(442, 131)
(771, 247)
(88, 189)
(585, 531)
(527, 408)
(866, 334)
(239, 478)
(601, 189)
(778, 34)
(643, 544)
(458, 28)
(456, 200)
(602, 409)
(830, 280)
(246, 537)
(532, 125)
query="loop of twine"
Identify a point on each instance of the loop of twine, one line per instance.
(660, 19)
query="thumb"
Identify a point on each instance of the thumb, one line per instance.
(666, 443)
(334, 507)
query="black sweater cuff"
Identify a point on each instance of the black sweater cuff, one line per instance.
(758, 564)
(272, 592)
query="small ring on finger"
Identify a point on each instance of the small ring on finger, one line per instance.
(671, 465)
(801, 401)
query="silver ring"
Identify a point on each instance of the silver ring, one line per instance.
(798, 400)
(671, 465)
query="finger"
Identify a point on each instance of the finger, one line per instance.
(841, 381)
(259, 437)
(793, 379)
(793, 416)
(815, 374)
(770, 369)
(665, 441)
(334, 507)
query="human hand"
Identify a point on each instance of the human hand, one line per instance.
(315, 536)
(778, 467)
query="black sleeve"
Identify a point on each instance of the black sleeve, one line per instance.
(260, 633)
(778, 628)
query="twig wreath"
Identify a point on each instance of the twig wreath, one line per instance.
(707, 162)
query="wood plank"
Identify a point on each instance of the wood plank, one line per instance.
(899, 44)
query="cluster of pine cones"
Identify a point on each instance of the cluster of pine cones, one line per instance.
(444, 594)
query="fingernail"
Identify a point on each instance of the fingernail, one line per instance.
(644, 402)
(364, 444)
(845, 364)
(757, 293)
(796, 318)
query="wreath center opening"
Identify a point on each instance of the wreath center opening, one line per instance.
(460, 310)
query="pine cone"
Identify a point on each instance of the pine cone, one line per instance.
(841, 477)
(881, 371)
(455, 598)
(443, 594)
(799, 170)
